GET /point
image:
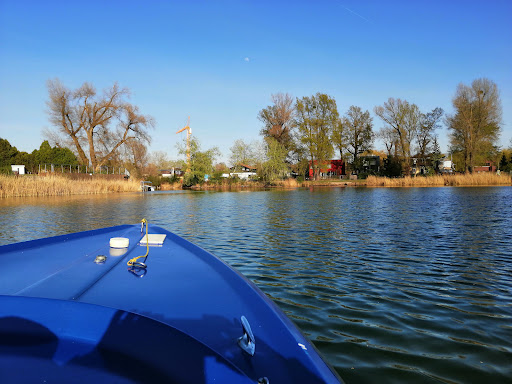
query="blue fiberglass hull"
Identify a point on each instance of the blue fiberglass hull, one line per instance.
(65, 318)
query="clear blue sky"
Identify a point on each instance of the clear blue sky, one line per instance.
(219, 61)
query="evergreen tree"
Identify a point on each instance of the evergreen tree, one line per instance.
(58, 156)
(7, 153)
(392, 167)
(503, 162)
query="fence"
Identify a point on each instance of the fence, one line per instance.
(67, 168)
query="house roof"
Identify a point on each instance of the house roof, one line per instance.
(245, 166)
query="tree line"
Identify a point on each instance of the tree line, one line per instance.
(104, 128)
(46, 154)
(310, 129)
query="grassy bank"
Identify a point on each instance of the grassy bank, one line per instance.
(475, 179)
(57, 185)
(31, 185)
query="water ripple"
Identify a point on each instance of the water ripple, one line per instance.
(393, 285)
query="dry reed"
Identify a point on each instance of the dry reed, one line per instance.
(474, 179)
(288, 183)
(170, 186)
(231, 185)
(29, 185)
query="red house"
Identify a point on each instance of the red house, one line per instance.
(488, 167)
(331, 168)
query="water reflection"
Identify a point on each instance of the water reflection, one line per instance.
(413, 285)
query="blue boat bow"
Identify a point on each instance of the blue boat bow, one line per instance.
(187, 317)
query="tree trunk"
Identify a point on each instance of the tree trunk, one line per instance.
(92, 152)
(81, 154)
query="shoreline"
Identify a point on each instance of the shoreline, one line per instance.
(56, 185)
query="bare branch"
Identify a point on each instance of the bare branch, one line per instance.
(85, 117)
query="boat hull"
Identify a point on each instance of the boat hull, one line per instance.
(183, 287)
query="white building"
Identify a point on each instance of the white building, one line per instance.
(18, 169)
(241, 175)
(245, 172)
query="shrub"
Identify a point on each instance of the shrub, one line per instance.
(6, 170)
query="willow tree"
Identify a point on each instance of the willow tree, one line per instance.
(274, 166)
(475, 126)
(316, 118)
(95, 124)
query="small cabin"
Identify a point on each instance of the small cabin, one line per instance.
(445, 166)
(173, 172)
(243, 171)
(243, 168)
(18, 169)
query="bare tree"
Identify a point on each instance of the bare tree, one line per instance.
(278, 120)
(242, 153)
(97, 123)
(429, 123)
(404, 119)
(160, 159)
(389, 137)
(136, 154)
(358, 132)
(476, 124)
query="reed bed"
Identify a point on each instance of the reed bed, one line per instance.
(170, 186)
(31, 185)
(459, 180)
(287, 183)
(231, 185)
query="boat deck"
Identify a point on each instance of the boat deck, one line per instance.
(183, 287)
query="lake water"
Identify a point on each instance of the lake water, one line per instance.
(392, 285)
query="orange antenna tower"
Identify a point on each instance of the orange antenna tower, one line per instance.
(189, 133)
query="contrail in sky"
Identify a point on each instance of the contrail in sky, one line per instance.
(357, 14)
